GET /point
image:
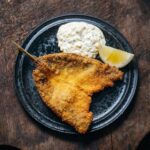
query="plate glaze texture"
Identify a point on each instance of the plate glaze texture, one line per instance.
(106, 106)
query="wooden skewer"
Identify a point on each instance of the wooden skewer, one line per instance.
(34, 58)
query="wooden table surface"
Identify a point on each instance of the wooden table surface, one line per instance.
(18, 18)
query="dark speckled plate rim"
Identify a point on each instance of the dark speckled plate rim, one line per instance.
(35, 115)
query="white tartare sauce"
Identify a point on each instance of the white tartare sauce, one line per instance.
(81, 38)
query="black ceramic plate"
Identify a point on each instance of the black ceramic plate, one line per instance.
(106, 106)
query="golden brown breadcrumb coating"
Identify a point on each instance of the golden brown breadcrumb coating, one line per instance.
(66, 83)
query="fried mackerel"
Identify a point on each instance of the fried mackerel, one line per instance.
(66, 83)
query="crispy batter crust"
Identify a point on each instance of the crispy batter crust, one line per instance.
(66, 83)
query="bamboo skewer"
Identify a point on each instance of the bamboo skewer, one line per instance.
(34, 58)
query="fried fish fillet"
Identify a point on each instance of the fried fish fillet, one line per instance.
(66, 83)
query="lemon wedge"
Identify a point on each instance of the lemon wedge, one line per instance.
(115, 57)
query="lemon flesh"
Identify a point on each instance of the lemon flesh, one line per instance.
(115, 57)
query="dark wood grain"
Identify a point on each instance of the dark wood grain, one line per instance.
(18, 18)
